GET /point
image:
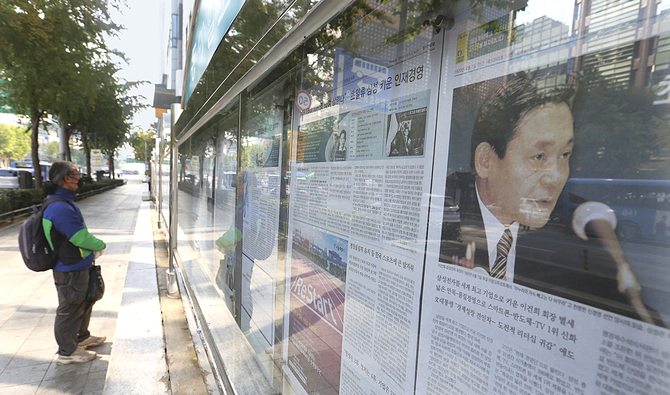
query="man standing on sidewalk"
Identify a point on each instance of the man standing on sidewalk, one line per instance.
(77, 250)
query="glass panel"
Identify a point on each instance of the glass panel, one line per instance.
(267, 114)
(360, 181)
(558, 257)
(445, 198)
(256, 29)
(206, 199)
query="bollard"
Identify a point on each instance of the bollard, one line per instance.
(173, 290)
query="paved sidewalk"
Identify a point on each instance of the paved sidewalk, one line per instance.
(28, 304)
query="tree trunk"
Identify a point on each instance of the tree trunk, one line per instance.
(111, 164)
(87, 152)
(36, 115)
(69, 153)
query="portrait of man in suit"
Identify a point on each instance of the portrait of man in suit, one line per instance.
(402, 143)
(406, 133)
(521, 145)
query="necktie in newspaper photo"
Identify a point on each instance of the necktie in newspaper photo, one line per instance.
(500, 266)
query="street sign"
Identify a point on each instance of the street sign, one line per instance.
(96, 159)
(303, 100)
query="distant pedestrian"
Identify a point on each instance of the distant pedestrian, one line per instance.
(77, 250)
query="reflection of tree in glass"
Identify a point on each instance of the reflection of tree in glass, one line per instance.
(618, 130)
(415, 15)
(252, 35)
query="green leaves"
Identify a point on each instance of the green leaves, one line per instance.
(143, 142)
(618, 130)
(14, 143)
(49, 55)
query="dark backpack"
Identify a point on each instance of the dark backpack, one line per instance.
(35, 250)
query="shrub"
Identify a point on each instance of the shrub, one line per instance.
(15, 199)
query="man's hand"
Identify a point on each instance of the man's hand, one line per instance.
(469, 260)
(98, 254)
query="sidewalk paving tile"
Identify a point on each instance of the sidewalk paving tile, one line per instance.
(21, 389)
(23, 375)
(66, 371)
(40, 343)
(30, 358)
(14, 335)
(62, 386)
(21, 324)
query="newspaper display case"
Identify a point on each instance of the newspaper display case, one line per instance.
(464, 197)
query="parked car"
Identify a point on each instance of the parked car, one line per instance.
(451, 213)
(9, 178)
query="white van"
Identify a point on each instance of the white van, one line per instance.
(9, 178)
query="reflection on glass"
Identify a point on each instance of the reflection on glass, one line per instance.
(521, 149)
(447, 198)
(266, 116)
(206, 197)
(558, 166)
(359, 204)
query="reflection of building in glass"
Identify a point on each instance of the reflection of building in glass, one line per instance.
(336, 258)
(611, 33)
(542, 33)
(610, 29)
(661, 52)
(375, 46)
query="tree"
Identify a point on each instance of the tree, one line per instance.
(142, 142)
(130, 104)
(46, 52)
(107, 118)
(618, 129)
(14, 143)
(104, 118)
(78, 157)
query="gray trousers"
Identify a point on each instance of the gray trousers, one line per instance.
(73, 314)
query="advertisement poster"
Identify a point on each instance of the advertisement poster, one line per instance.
(361, 175)
(545, 272)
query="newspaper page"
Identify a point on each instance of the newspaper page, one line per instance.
(534, 283)
(358, 217)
